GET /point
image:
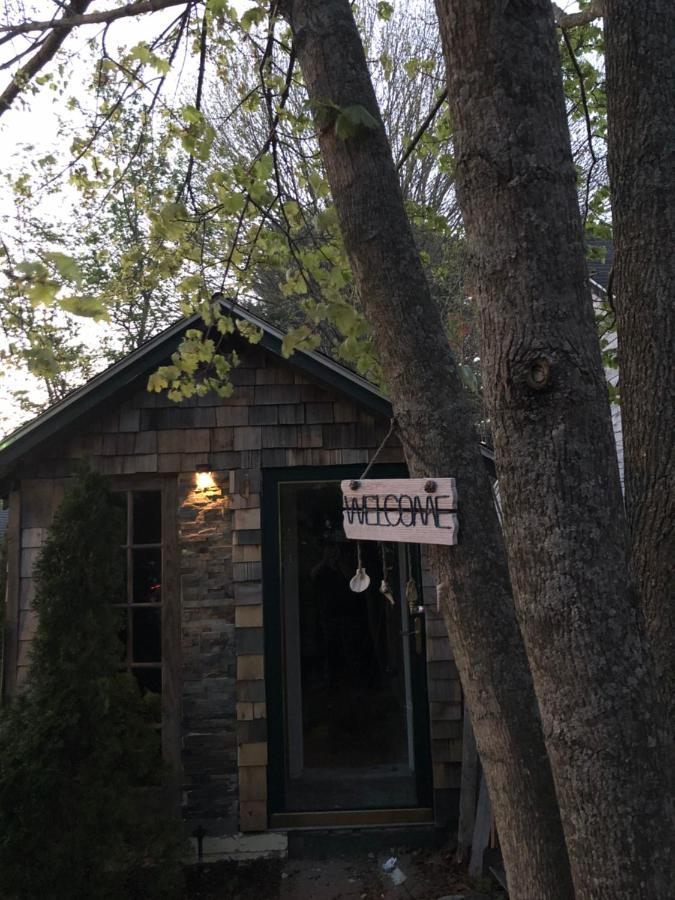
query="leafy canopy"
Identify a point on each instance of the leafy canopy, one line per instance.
(214, 184)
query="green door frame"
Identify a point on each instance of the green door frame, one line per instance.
(274, 674)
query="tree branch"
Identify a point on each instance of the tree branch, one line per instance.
(43, 55)
(587, 119)
(203, 34)
(595, 10)
(73, 16)
(440, 100)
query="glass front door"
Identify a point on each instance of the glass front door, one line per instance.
(350, 662)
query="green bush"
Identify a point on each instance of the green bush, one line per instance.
(80, 771)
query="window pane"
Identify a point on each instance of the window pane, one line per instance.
(147, 574)
(149, 679)
(147, 517)
(147, 634)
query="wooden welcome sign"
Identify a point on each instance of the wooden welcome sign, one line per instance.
(416, 510)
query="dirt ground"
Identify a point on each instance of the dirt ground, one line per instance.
(429, 875)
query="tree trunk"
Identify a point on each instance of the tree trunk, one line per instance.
(564, 525)
(481, 831)
(640, 57)
(468, 789)
(435, 423)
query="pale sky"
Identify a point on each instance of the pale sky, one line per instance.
(37, 124)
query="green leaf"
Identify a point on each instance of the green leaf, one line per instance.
(251, 332)
(170, 216)
(292, 210)
(300, 338)
(343, 317)
(32, 270)
(191, 115)
(253, 16)
(387, 65)
(353, 119)
(190, 284)
(65, 265)
(264, 167)
(385, 10)
(43, 292)
(217, 7)
(157, 382)
(225, 324)
(85, 305)
(141, 52)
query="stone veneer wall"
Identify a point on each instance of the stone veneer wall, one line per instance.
(276, 417)
(208, 659)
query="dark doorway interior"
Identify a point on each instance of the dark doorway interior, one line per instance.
(347, 662)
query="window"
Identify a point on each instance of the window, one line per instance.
(142, 607)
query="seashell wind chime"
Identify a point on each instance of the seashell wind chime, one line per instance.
(361, 581)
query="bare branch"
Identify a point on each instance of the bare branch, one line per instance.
(203, 34)
(31, 48)
(42, 57)
(73, 18)
(440, 100)
(594, 10)
(587, 120)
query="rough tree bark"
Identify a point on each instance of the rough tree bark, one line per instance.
(435, 424)
(564, 524)
(640, 61)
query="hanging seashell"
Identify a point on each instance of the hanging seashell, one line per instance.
(360, 582)
(385, 587)
(386, 590)
(411, 597)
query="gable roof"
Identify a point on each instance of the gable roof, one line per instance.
(157, 351)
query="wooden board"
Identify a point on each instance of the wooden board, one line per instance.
(401, 509)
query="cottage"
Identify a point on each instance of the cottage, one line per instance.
(289, 701)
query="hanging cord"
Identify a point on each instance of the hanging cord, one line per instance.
(385, 587)
(392, 428)
(411, 594)
(414, 452)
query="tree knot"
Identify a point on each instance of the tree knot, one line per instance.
(538, 374)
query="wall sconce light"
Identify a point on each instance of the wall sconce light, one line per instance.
(204, 480)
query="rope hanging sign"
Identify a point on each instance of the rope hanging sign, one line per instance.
(414, 510)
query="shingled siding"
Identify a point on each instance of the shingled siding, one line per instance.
(276, 418)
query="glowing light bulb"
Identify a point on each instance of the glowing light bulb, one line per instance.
(204, 481)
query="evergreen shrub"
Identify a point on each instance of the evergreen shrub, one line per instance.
(81, 814)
